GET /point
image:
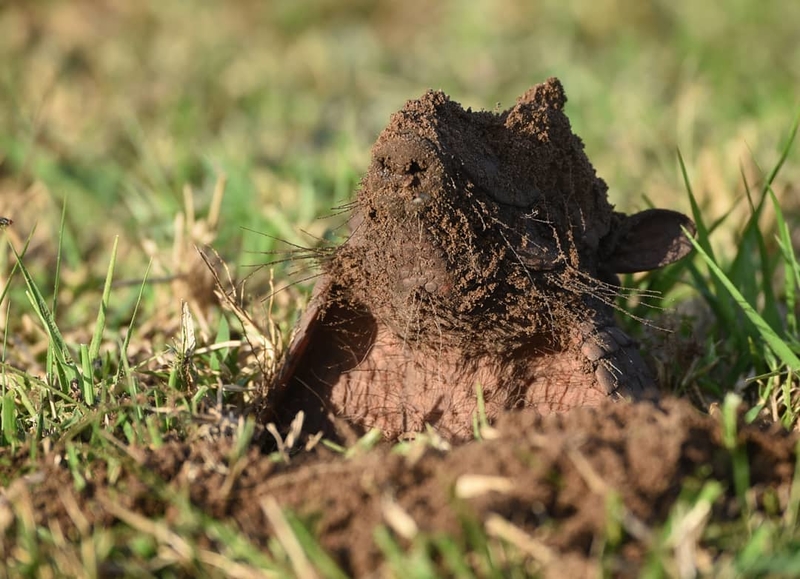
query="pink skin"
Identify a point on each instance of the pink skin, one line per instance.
(364, 373)
(399, 390)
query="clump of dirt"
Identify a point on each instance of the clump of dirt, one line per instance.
(551, 477)
(483, 251)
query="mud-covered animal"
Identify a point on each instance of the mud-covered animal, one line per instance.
(483, 252)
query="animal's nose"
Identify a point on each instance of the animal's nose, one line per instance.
(408, 155)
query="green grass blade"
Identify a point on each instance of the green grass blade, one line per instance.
(741, 270)
(16, 264)
(453, 557)
(87, 384)
(7, 396)
(790, 263)
(58, 255)
(792, 512)
(9, 418)
(781, 349)
(322, 562)
(697, 214)
(126, 342)
(784, 153)
(752, 552)
(738, 453)
(722, 307)
(97, 336)
(392, 552)
(63, 359)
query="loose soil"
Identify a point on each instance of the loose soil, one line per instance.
(484, 250)
(557, 479)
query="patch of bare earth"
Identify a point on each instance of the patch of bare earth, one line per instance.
(543, 482)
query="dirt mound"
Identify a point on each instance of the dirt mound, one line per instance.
(555, 486)
(483, 251)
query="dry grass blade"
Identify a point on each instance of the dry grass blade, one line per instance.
(469, 486)
(74, 511)
(286, 445)
(597, 485)
(398, 518)
(283, 532)
(497, 526)
(15, 503)
(266, 347)
(181, 548)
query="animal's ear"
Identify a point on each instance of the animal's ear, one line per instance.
(646, 240)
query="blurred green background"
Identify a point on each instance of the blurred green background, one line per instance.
(116, 107)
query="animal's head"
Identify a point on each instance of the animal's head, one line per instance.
(492, 224)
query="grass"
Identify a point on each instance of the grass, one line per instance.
(129, 136)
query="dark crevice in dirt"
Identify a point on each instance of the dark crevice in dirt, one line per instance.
(559, 470)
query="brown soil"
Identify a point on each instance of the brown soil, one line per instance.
(553, 478)
(483, 251)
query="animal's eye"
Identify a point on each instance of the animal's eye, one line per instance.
(414, 167)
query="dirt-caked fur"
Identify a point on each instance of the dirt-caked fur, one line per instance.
(483, 253)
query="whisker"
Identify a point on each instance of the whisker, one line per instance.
(346, 206)
(582, 288)
(279, 239)
(297, 257)
(518, 256)
(289, 285)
